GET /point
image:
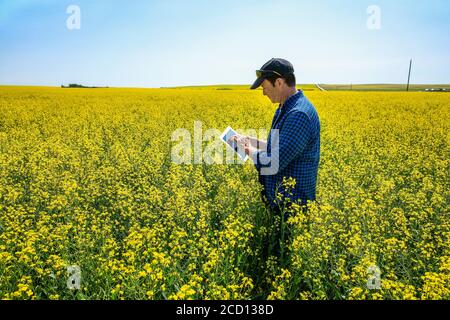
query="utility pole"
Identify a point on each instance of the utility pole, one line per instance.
(409, 75)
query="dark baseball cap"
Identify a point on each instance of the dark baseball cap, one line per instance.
(273, 67)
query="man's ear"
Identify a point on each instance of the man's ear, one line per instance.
(279, 82)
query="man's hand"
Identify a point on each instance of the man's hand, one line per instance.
(244, 143)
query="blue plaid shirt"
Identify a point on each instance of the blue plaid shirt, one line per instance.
(298, 148)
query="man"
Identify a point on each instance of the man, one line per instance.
(295, 152)
(292, 150)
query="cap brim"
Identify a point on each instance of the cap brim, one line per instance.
(257, 83)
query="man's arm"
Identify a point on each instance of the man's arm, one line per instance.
(258, 144)
(250, 143)
(292, 141)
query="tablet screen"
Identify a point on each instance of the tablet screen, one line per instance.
(226, 136)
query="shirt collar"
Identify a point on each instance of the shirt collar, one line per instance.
(291, 101)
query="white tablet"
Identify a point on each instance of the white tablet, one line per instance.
(226, 136)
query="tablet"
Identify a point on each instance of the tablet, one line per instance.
(226, 136)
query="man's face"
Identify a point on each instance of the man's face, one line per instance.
(270, 91)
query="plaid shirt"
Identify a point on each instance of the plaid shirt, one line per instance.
(298, 148)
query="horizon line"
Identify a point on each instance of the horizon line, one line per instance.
(222, 84)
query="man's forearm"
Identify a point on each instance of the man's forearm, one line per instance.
(258, 144)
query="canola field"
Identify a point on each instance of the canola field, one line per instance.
(87, 180)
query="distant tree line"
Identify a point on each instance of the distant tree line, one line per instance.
(75, 85)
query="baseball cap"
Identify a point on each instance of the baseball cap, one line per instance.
(273, 67)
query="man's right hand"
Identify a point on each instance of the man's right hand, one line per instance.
(242, 141)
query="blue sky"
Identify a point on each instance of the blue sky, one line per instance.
(154, 43)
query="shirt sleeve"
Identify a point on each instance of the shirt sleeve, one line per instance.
(292, 140)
